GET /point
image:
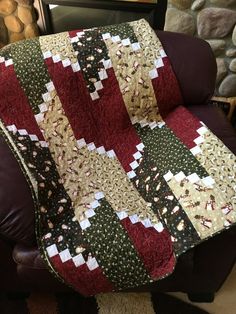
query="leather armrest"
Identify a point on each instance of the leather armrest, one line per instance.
(28, 256)
(16, 203)
(194, 65)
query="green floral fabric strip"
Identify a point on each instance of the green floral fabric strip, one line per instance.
(115, 253)
(169, 153)
(30, 70)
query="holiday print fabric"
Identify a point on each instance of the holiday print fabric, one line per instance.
(124, 179)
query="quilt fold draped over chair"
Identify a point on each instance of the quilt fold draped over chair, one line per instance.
(123, 178)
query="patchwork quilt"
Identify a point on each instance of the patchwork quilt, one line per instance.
(124, 179)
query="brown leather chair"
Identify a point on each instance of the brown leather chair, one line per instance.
(200, 272)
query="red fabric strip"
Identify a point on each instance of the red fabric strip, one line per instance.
(82, 279)
(114, 123)
(15, 108)
(184, 125)
(151, 246)
(166, 88)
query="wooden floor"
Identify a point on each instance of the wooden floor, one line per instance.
(225, 300)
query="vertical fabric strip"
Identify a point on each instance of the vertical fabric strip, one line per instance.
(164, 82)
(34, 76)
(113, 249)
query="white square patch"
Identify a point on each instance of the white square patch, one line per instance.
(126, 42)
(12, 128)
(89, 213)
(52, 250)
(81, 143)
(91, 146)
(202, 130)
(103, 74)
(9, 62)
(33, 137)
(122, 215)
(43, 143)
(143, 123)
(80, 34)
(208, 181)
(106, 36)
(140, 146)
(137, 155)
(47, 54)
(78, 260)
(99, 195)
(152, 125)
(193, 178)
(98, 85)
(66, 63)
(134, 120)
(159, 63)
(47, 97)
(134, 165)
(162, 53)
(134, 219)
(199, 140)
(39, 117)
(131, 174)
(94, 95)
(180, 176)
(23, 132)
(147, 223)
(196, 150)
(56, 58)
(107, 64)
(101, 150)
(153, 74)
(115, 39)
(111, 153)
(92, 263)
(169, 175)
(50, 86)
(135, 46)
(161, 124)
(84, 224)
(75, 67)
(43, 107)
(94, 204)
(159, 227)
(65, 255)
